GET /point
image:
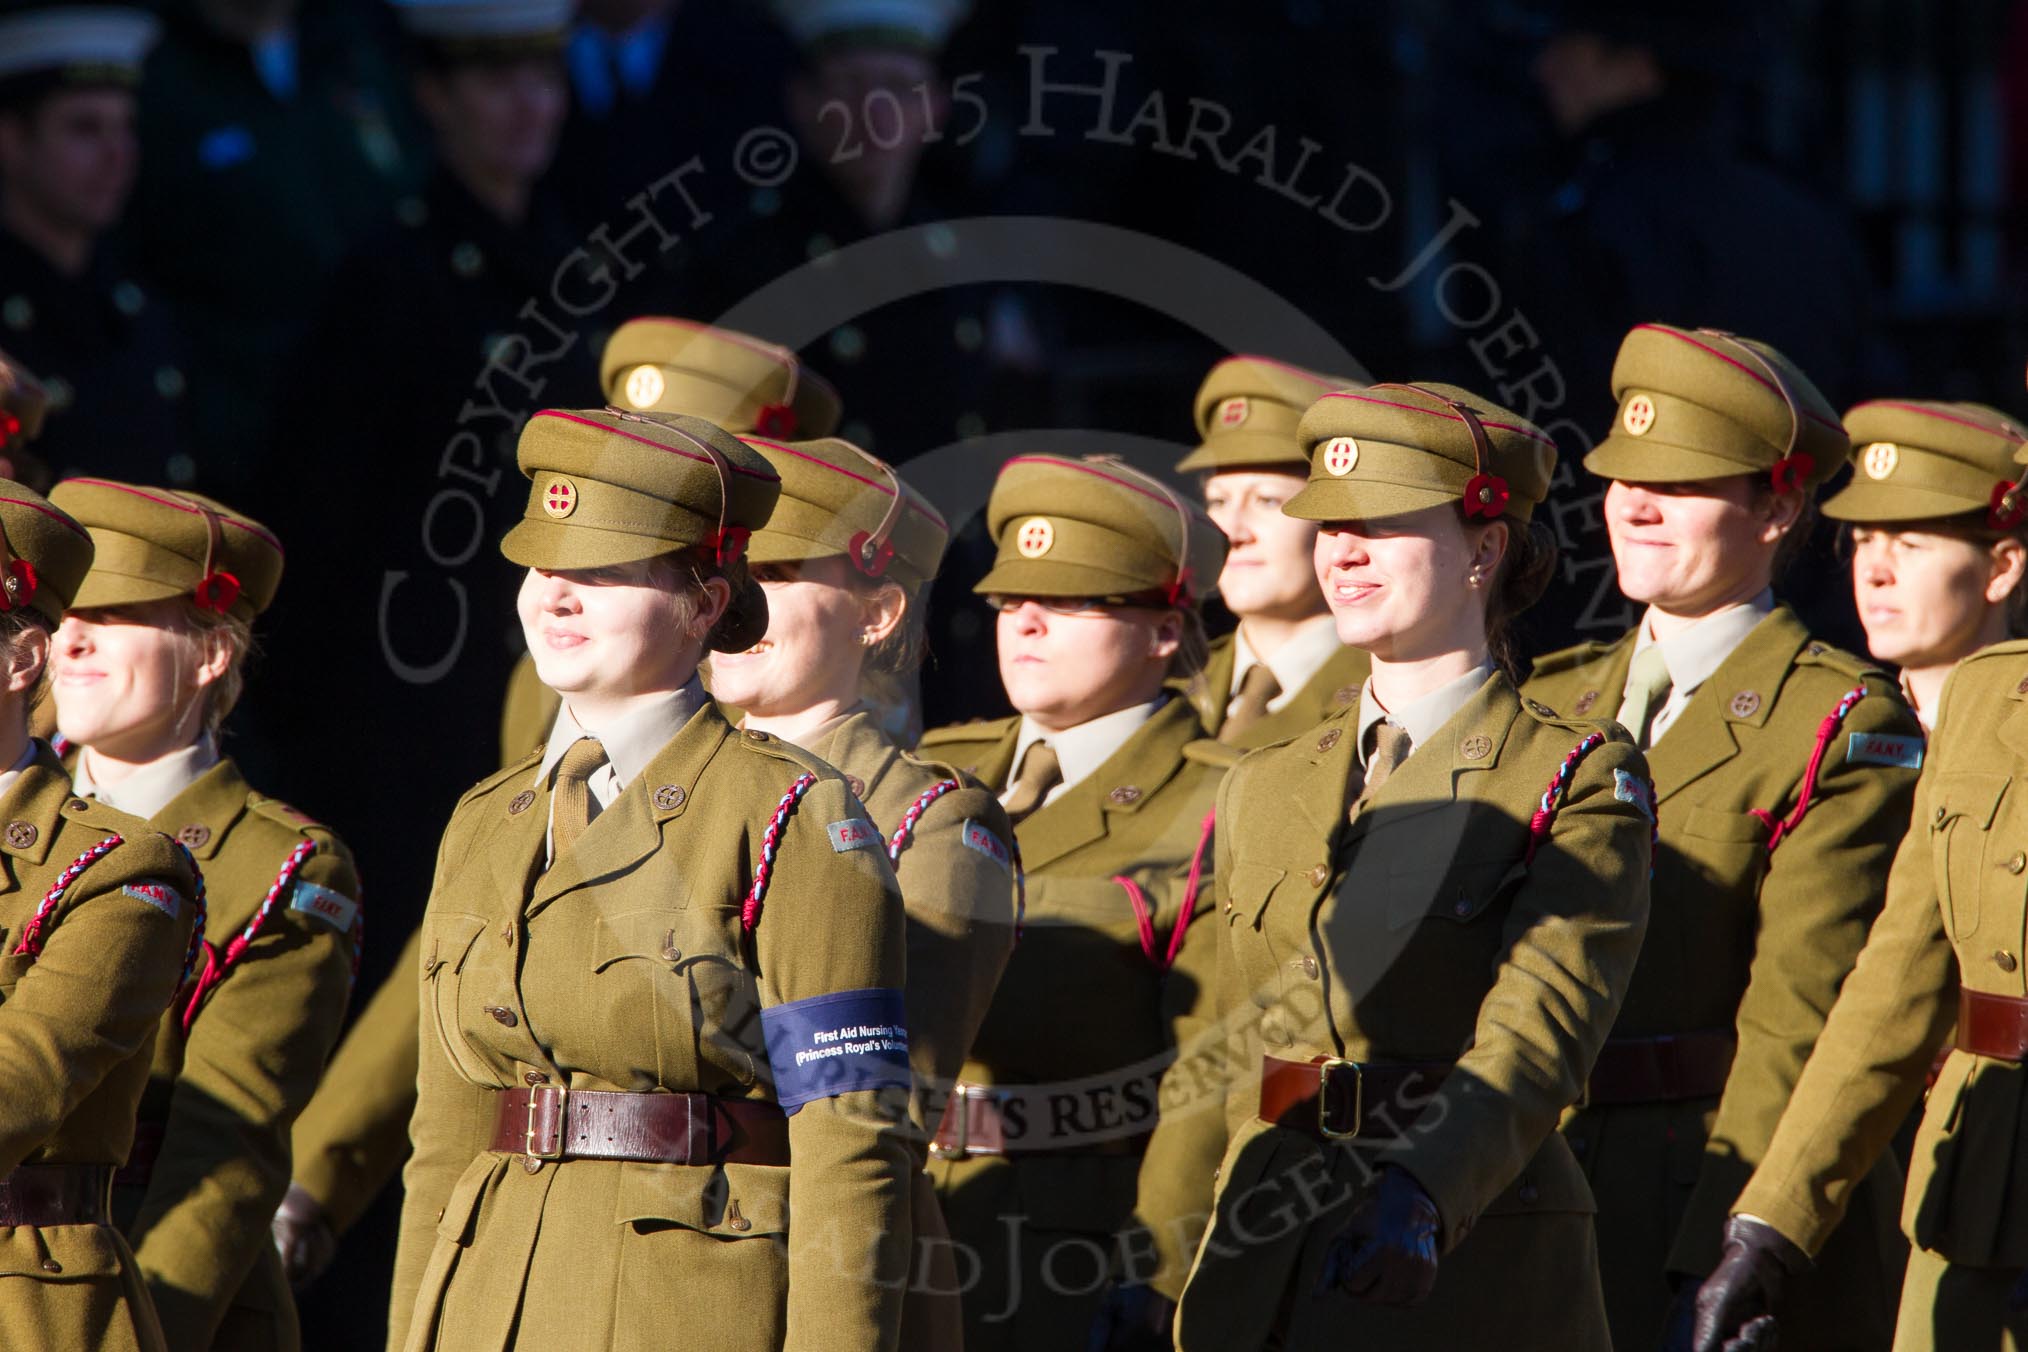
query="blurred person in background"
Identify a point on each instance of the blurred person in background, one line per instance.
(272, 137)
(106, 351)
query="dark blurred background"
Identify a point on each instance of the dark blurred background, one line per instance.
(324, 278)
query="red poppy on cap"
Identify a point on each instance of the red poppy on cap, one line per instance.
(1485, 495)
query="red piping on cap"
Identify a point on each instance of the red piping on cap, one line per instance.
(1296, 371)
(182, 505)
(759, 443)
(1816, 418)
(768, 476)
(1360, 397)
(52, 514)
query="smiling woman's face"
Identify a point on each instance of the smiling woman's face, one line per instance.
(1692, 548)
(611, 632)
(1399, 586)
(123, 676)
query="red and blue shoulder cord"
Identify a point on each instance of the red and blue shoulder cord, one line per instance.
(906, 831)
(1544, 820)
(1779, 828)
(217, 965)
(771, 839)
(31, 933)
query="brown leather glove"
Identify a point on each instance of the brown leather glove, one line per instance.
(1387, 1252)
(1736, 1305)
(303, 1237)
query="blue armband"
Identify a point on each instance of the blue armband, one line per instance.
(837, 1044)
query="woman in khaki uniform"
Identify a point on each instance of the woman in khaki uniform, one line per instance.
(147, 665)
(1947, 949)
(1431, 904)
(1109, 785)
(1938, 527)
(1283, 669)
(354, 1135)
(1783, 774)
(100, 921)
(846, 559)
(662, 964)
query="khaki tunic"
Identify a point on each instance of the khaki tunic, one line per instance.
(1956, 915)
(1081, 1028)
(1749, 942)
(220, 1099)
(624, 967)
(77, 1024)
(353, 1137)
(1334, 686)
(958, 890)
(1414, 929)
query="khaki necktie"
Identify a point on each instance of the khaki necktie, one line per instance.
(571, 802)
(1647, 690)
(1390, 745)
(1040, 772)
(1256, 688)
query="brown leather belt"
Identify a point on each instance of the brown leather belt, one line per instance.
(1332, 1099)
(1993, 1025)
(57, 1194)
(548, 1123)
(140, 1165)
(1665, 1069)
(975, 1121)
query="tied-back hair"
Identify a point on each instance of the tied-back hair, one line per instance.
(1796, 542)
(1518, 582)
(236, 634)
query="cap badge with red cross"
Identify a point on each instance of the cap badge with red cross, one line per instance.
(1341, 455)
(1638, 416)
(559, 497)
(1232, 413)
(1035, 537)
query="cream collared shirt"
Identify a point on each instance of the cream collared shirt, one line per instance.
(1082, 749)
(1420, 718)
(152, 787)
(1302, 657)
(631, 741)
(1694, 654)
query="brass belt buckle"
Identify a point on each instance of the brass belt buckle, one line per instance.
(529, 1147)
(959, 1104)
(1324, 1069)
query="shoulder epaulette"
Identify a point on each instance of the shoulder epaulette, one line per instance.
(1564, 659)
(1847, 665)
(1207, 751)
(979, 730)
(506, 774)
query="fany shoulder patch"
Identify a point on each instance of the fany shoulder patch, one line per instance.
(985, 842)
(162, 897)
(1881, 748)
(1629, 788)
(333, 908)
(834, 1044)
(854, 833)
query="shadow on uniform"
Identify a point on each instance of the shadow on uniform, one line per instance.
(1417, 955)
